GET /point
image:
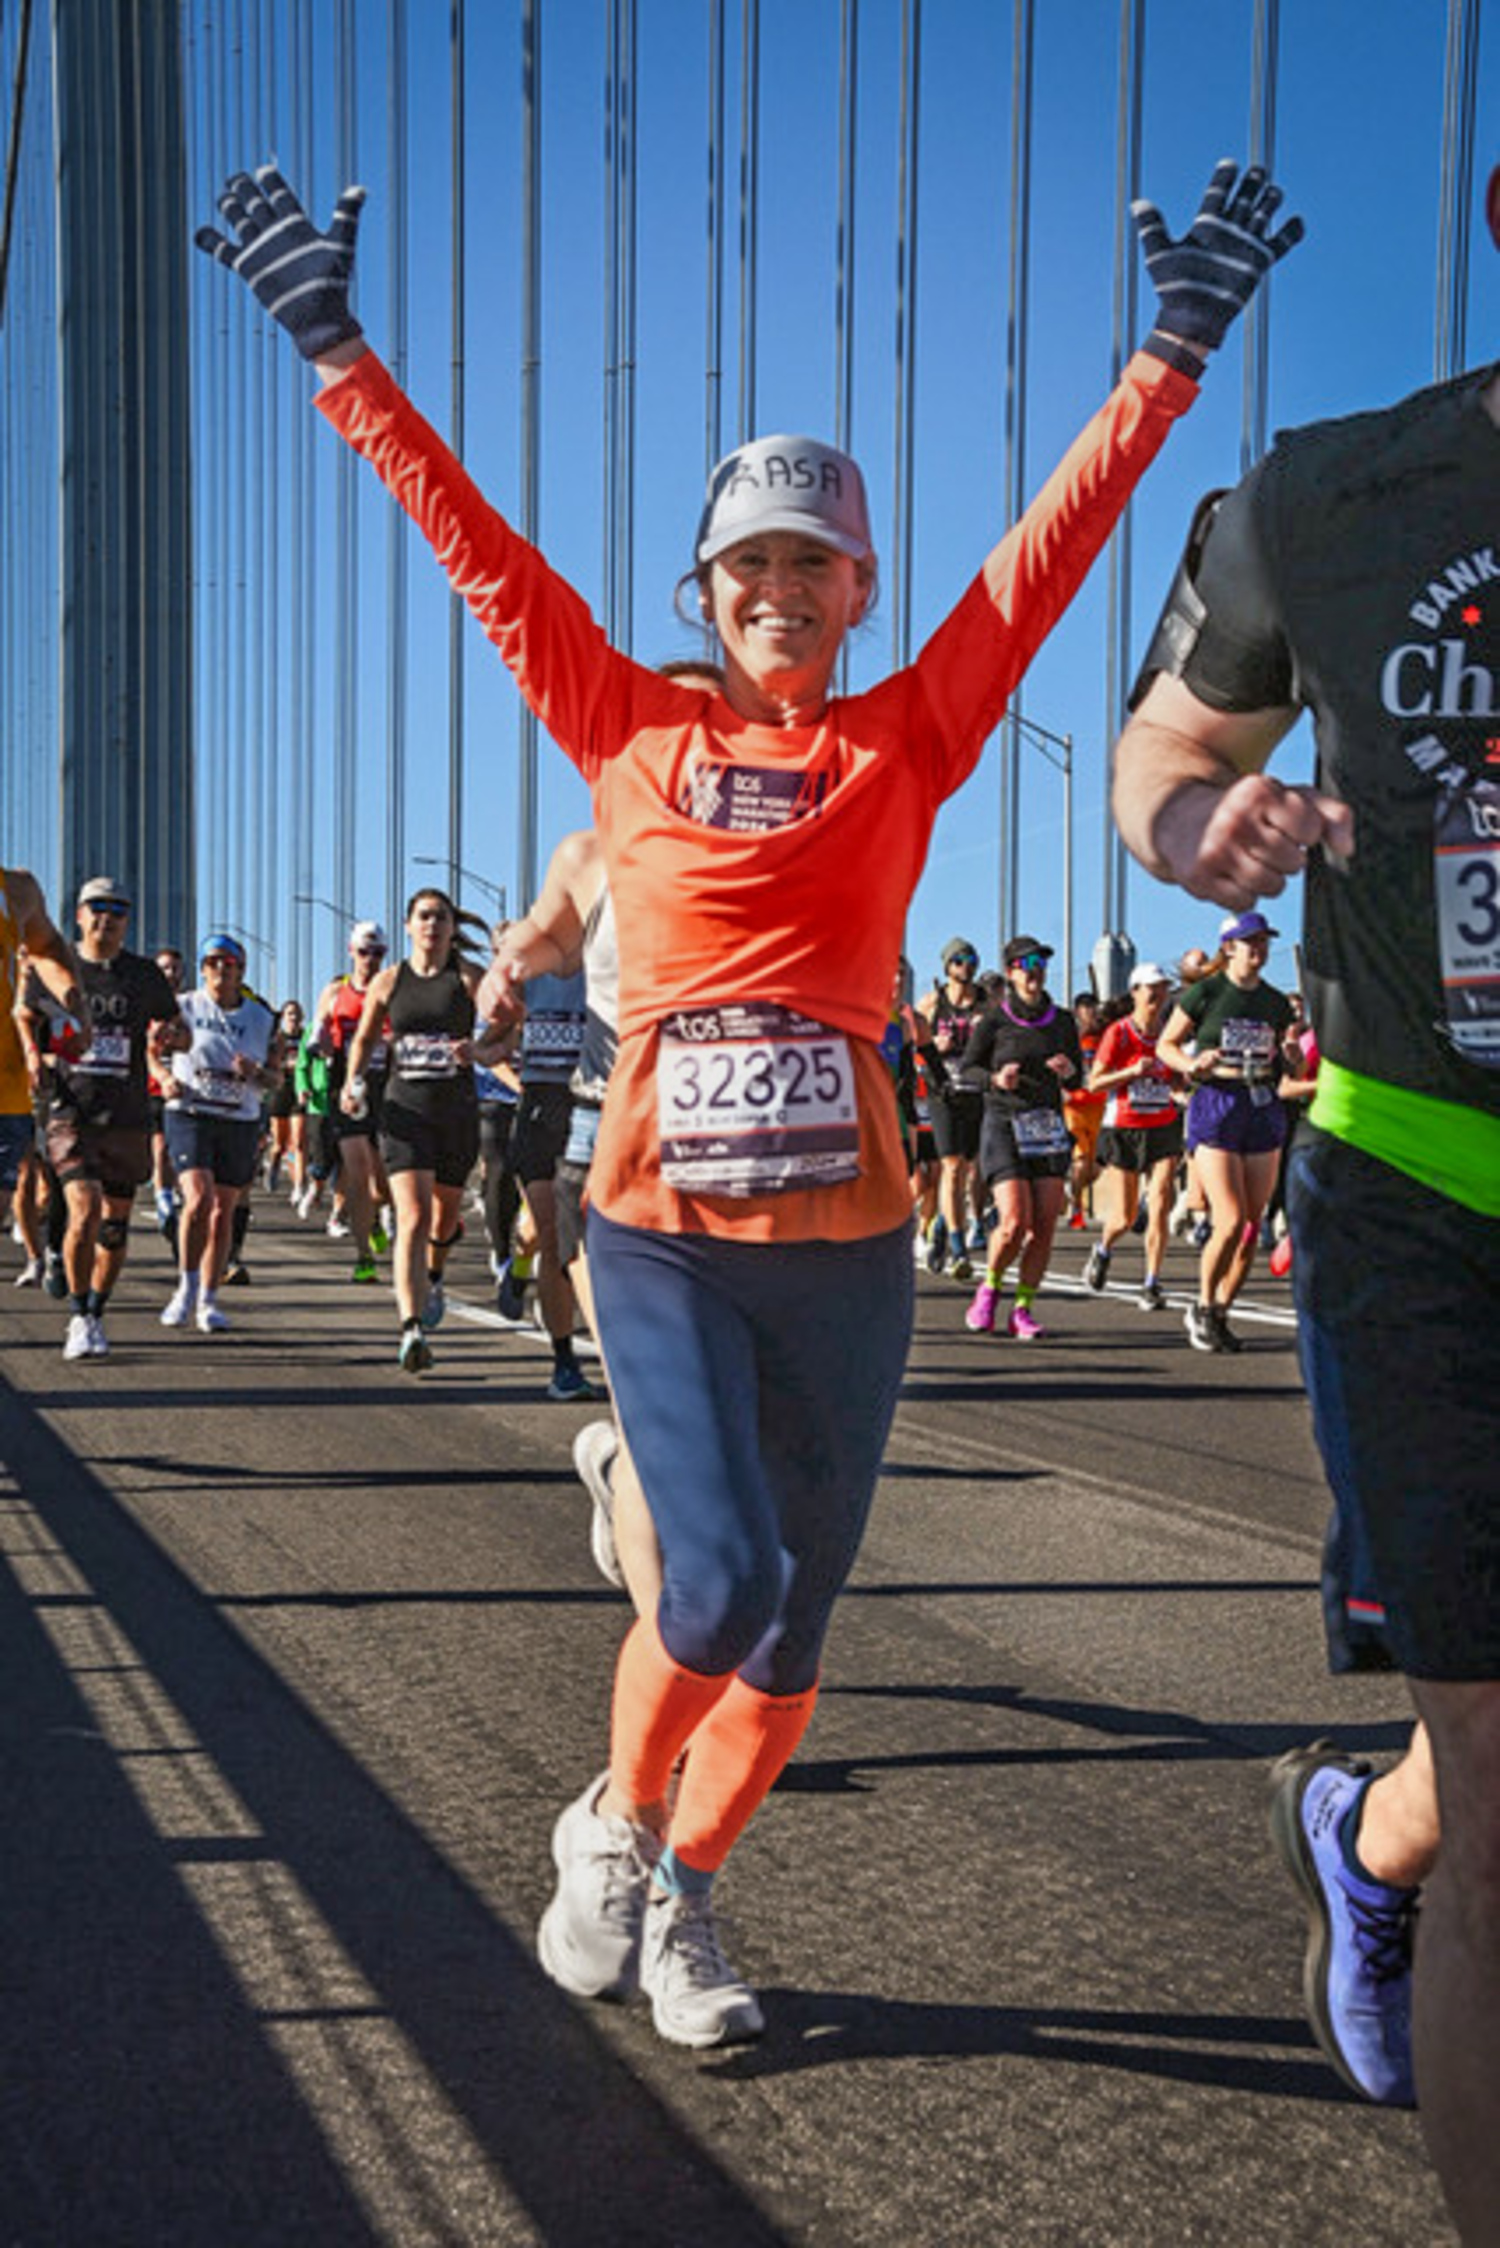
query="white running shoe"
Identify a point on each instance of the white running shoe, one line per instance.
(303, 1203)
(76, 1342)
(589, 1939)
(98, 1340)
(696, 1996)
(30, 1274)
(211, 1321)
(595, 1450)
(337, 1228)
(184, 1301)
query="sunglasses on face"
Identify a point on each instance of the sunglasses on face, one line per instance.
(114, 912)
(1031, 962)
(369, 952)
(220, 960)
(964, 960)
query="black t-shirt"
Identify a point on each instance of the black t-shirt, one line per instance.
(107, 1085)
(1006, 1033)
(1356, 571)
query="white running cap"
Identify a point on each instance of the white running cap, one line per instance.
(786, 484)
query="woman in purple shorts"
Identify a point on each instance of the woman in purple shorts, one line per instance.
(1234, 1023)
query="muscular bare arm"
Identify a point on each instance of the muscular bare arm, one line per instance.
(377, 999)
(547, 941)
(47, 949)
(1195, 806)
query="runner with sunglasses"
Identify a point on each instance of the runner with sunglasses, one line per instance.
(98, 1126)
(762, 845)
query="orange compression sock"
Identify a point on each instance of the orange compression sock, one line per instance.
(734, 1760)
(656, 1706)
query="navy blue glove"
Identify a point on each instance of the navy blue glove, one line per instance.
(302, 277)
(1208, 277)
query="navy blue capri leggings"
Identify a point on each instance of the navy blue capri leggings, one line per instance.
(756, 1384)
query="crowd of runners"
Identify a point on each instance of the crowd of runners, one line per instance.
(696, 1031)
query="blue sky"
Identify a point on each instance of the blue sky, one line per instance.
(1358, 146)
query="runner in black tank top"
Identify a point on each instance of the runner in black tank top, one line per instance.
(429, 1131)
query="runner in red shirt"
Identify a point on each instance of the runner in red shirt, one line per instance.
(1141, 1138)
(762, 844)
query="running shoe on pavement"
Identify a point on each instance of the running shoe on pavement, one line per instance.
(589, 1939)
(1225, 1337)
(380, 1240)
(1356, 1973)
(434, 1307)
(1280, 1261)
(211, 1321)
(1023, 1325)
(236, 1275)
(510, 1296)
(1142, 1218)
(1077, 1222)
(1203, 1232)
(179, 1309)
(979, 1240)
(337, 1228)
(696, 1997)
(76, 1341)
(306, 1201)
(414, 1355)
(30, 1274)
(1096, 1271)
(98, 1340)
(961, 1269)
(365, 1268)
(595, 1450)
(1153, 1296)
(166, 1208)
(980, 1316)
(1201, 1331)
(570, 1385)
(937, 1245)
(54, 1279)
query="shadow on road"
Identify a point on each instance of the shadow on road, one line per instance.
(154, 2091)
(818, 2029)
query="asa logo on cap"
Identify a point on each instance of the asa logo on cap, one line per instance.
(792, 471)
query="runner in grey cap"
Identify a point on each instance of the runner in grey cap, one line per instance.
(785, 484)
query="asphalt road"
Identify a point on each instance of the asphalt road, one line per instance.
(300, 1657)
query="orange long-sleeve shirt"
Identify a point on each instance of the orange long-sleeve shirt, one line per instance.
(712, 905)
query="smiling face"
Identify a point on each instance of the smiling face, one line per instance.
(781, 604)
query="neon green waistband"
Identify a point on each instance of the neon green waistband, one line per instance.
(1450, 1148)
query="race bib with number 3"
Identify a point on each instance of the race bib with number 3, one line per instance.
(754, 1099)
(1466, 886)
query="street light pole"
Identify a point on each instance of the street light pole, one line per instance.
(262, 944)
(1058, 751)
(496, 890)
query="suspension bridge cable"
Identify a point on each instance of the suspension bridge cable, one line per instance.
(13, 144)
